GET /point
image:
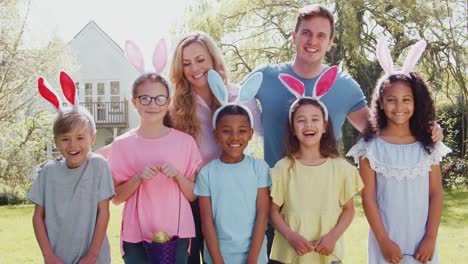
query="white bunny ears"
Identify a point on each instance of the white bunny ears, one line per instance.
(159, 60)
(322, 86)
(69, 91)
(385, 58)
(248, 91)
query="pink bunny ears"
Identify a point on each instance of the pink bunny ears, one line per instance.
(385, 58)
(159, 60)
(69, 91)
(322, 86)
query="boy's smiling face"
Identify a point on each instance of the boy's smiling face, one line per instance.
(233, 133)
(75, 145)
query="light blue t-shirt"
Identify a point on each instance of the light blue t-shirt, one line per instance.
(345, 97)
(233, 191)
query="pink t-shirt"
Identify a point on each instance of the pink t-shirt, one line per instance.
(155, 204)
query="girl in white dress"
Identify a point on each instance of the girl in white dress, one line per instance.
(399, 165)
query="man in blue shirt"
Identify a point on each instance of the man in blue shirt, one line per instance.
(312, 37)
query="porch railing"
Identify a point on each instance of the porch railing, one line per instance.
(108, 114)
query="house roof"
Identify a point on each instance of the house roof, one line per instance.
(91, 23)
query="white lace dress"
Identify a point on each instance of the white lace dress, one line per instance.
(402, 185)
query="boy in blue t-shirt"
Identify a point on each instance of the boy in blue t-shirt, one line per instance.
(234, 195)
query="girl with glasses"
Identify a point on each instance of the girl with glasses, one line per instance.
(154, 168)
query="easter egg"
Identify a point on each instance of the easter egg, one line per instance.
(161, 237)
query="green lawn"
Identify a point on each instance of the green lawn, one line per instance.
(18, 244)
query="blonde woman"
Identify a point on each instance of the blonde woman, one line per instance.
(193, 103)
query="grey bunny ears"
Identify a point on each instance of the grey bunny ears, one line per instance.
(159, 60)
(247, 92)
(69, 91)
(385, 58)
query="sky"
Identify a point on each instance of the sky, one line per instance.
(143, 21)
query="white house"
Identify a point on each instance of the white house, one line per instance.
(104, 82)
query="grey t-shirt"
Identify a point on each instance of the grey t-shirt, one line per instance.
(70, 198)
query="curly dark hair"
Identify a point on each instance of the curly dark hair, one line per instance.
(328, 143)
(424, 111)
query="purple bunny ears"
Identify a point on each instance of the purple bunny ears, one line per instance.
(159, 60)
(322, 86)
(69, 91)
(385, 58)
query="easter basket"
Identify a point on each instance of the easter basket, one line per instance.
(163, 252)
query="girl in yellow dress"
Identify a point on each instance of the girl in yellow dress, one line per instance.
(312, 187)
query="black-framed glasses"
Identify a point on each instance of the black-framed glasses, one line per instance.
(159, 100)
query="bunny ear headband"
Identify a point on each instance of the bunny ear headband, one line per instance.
(322, 86)
(385, 58)
(247, 91)
(135, 57)
(69, 91)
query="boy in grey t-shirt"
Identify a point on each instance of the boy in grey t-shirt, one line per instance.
(72, 195)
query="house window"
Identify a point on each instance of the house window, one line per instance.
(115, 95)
(101, 105)
(89, 96)
(100, 89)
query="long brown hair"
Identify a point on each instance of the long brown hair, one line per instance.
(328, 143)
(184, 103)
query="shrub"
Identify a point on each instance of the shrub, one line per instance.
(455, 172)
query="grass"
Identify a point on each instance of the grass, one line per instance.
(18, 244)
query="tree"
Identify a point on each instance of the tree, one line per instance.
(25, 124)
(252, 33)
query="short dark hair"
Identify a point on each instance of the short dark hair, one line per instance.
(315, 10)
(424, 111)
(232, 110)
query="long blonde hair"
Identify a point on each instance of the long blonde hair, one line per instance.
(184, 103)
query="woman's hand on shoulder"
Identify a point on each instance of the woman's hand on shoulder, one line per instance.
(437, 132)
(325, 245)
(426, 250)
(391, 251)
(300, 244)
(149, 172)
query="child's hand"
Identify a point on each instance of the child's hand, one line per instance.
(88, 259)
(325, 245)
(170, 171)
(53, 259)
(149, 172)
(300, 244)
(426, 250)
(391, 251)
